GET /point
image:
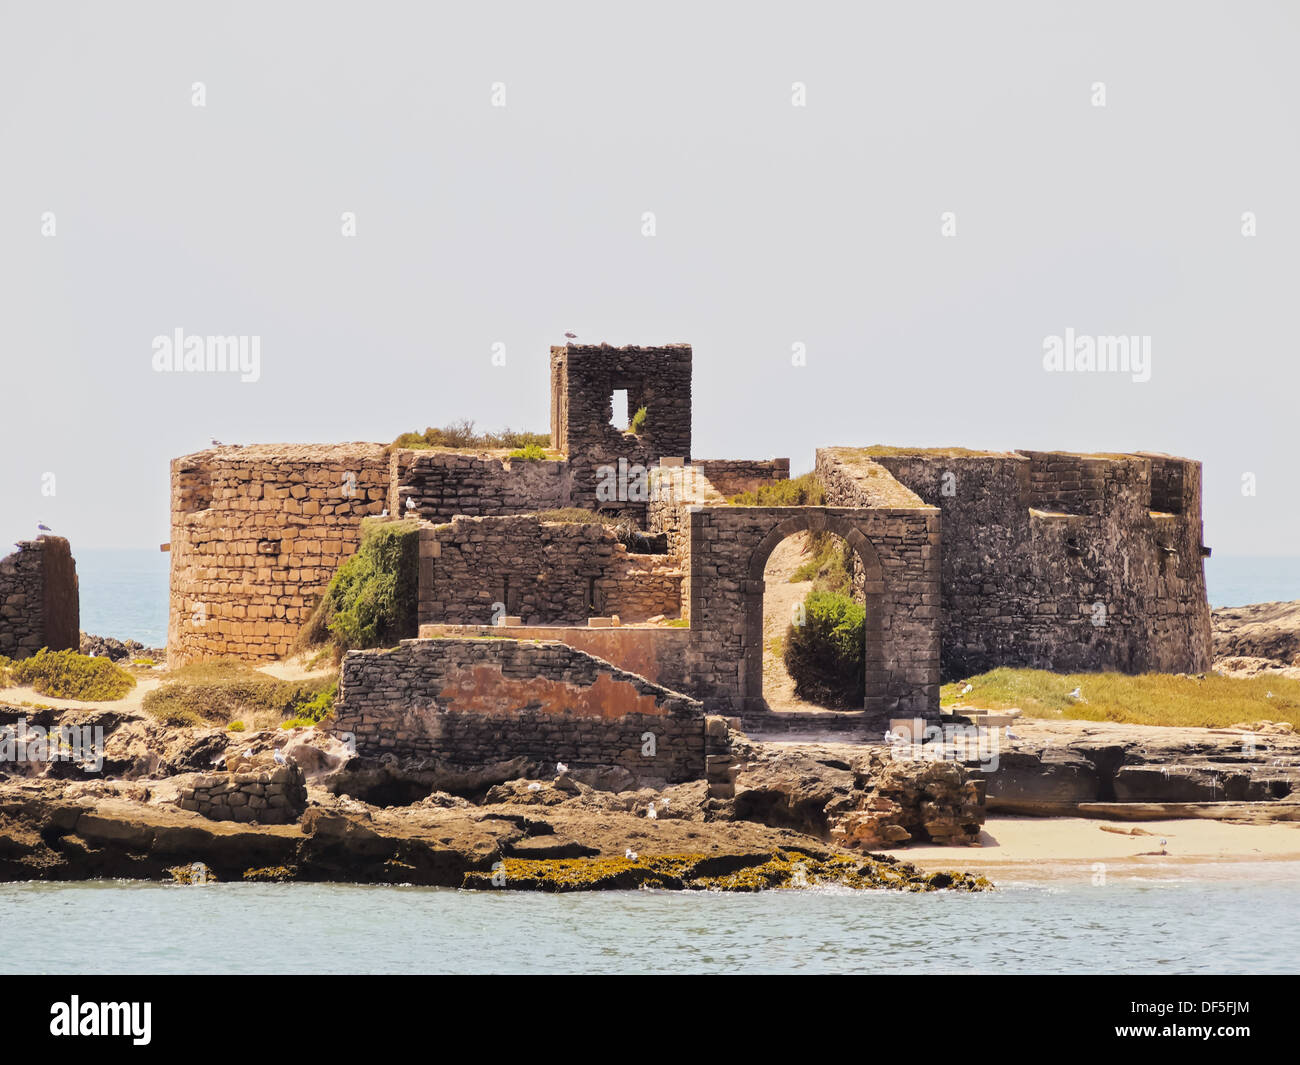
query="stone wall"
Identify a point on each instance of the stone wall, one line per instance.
(443, 484)
(1056, 561)
(257, 533)
(40, 603)
(583, 381)
(470, 702)
(733, 476)
(268, 794)
(654, 652)
(898, 549)
(546, 573)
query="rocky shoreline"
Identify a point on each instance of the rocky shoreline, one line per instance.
(171, 801)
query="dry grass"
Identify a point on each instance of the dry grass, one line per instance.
(1147, 699)
(220, 692)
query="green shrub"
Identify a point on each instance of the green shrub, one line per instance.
(235, 726)
(829, 564)
(71, 675)
(825, 656)
(320, 706)
(372, 599)
(461, 434)
(803, 491)
(638, 420)
(217, 692)
(6, 666)
(529, 453)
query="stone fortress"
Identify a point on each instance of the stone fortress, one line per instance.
(965, 560)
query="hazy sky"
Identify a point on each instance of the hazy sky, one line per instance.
(775, 224)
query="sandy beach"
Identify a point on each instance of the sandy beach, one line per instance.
(1053, 847)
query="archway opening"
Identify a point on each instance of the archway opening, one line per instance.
(814, 624)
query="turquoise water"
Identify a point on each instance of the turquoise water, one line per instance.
(124, 593)
(1240, 917)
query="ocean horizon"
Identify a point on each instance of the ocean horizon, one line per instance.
(124, 591)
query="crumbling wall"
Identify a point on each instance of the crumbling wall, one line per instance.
(257, 533)
(442, 484)
(1056, 561)
(656, 653)
(583, 381)
(470, 702)
(267, 794)
(733, 476)
(40, 604)
(475, 569)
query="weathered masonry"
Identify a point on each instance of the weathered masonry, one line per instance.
(40, 605)
(1053, 560)
(963, 559)
(459, 700)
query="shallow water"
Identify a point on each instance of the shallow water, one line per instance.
(1238, 917)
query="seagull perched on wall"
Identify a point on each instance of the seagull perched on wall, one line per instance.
(41, 527)
(410, 503)
(217, 443)
(650, 812)
(560, 767)
(280, 758)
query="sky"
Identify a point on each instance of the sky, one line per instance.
(918, 196)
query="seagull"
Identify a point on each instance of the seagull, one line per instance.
(1163, 842)
(534, 786)
(893, 737)
(570, 336)
(217, 443)
(560, 767)
(410, 503)
(1268, 695)
(42, 527)
(280, 758)
(1011, 735)
(1077, 694)
(650, 812)
(630, 854)
(968, 689)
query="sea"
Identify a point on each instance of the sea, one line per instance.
(1222, 918)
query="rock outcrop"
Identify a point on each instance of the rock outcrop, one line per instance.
(1052, 767)
(179, 800)
(1260, 631)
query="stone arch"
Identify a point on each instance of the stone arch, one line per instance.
(875, 678)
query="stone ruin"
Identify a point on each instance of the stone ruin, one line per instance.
(965, 560)
(40, 604)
